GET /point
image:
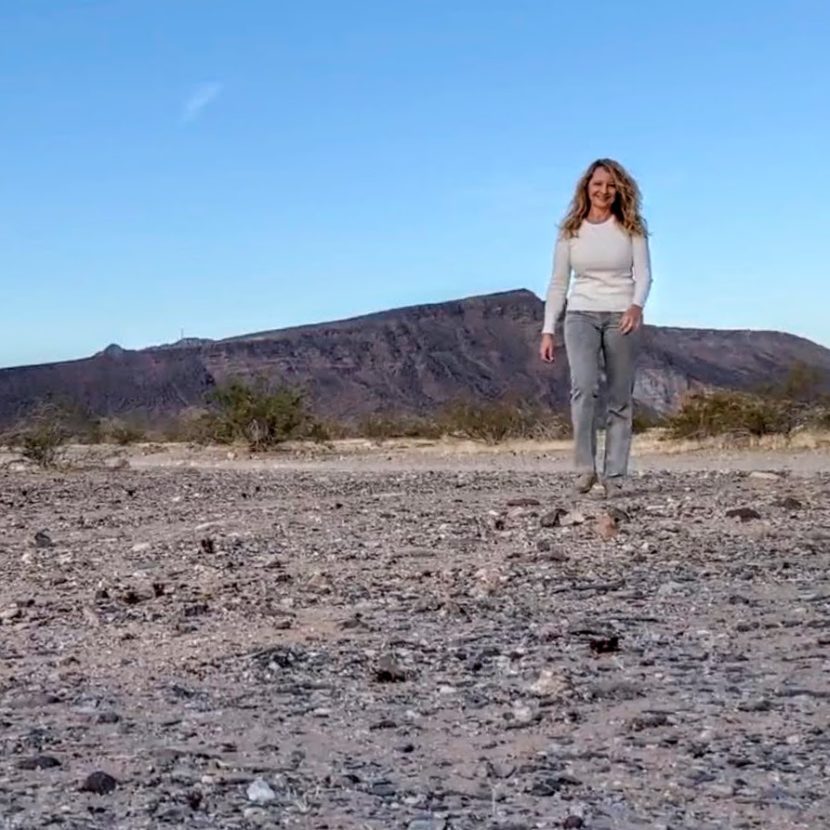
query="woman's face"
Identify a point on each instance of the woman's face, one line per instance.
(601, 189)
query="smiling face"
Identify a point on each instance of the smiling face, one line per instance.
(602, 190)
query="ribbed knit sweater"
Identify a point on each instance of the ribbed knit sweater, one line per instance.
(611, 271)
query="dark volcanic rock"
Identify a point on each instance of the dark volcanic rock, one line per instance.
(99, 783)
(43, 539)
(553, 518)
(745, 514)
(38, 762)
(388, 671)
(605, 645)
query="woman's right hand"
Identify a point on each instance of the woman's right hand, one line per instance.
(547, 348)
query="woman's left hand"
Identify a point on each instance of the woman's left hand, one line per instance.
(631, 319)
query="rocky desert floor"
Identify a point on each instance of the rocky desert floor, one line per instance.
(422, 640)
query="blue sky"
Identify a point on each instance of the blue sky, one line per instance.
(224, 166)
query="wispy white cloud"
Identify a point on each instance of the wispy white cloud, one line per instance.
(201, 97)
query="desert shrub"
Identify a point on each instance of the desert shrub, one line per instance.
(644, 419)
(191, 426)
(122, 433)
(499, 420)
(260, 415)
(319, 432)
(77, 423)
(819, 418)
(706, 414)
(801, 384)
(795, 401)
(811, 415)
(545, 425)
(42, 436)
(329, 429)
(379, 427)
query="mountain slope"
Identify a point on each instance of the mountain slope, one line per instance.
(406, 360)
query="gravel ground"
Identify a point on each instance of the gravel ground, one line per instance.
(325, 646)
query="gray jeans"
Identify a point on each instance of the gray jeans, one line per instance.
(593, 337)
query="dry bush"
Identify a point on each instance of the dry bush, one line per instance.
(801, 384)
(325, 430)
(79, 424)
(794, 402)
(500, 420)
(819, 417)
(122, 433)
(192, 426)
(644, 420)
(261, 415)
(41, 444)
(708, 414)
(380, 427)
(320, 432)
(545, 425)
(489, 421)
(50, 425)
(42, 435)
(803, 388)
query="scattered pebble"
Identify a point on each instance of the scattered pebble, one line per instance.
(99, 783)
(444, 649)
(260, 792)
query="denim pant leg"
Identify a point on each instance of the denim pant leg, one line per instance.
(583, 341)
(620, 351)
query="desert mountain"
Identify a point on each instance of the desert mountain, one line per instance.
(406, 360)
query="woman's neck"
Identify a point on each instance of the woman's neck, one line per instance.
(597, 216)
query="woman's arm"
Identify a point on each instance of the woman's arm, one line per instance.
(641, 270)
(632, 319)
(558, 287)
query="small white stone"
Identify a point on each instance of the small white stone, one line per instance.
(10, 613)
(574, 518)
(522, 713)
(549, 684)
(260, 792)
(412, 800)
(256, 816)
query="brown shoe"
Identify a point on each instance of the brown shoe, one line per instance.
(614, 487)
(584, 482)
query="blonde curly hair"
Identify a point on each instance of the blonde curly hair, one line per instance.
(626, 205)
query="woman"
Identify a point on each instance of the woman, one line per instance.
(603, 241)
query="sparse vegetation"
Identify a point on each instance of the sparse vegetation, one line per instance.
(496, 421)
(121, 432)
(489, 421)
(380, 427)
(264, 416)
(802, 384)
(797, 401)
(706, 414)
(645, 420)
(43, 436)
(261, 415)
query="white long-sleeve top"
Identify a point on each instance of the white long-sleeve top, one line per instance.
(611, 271)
